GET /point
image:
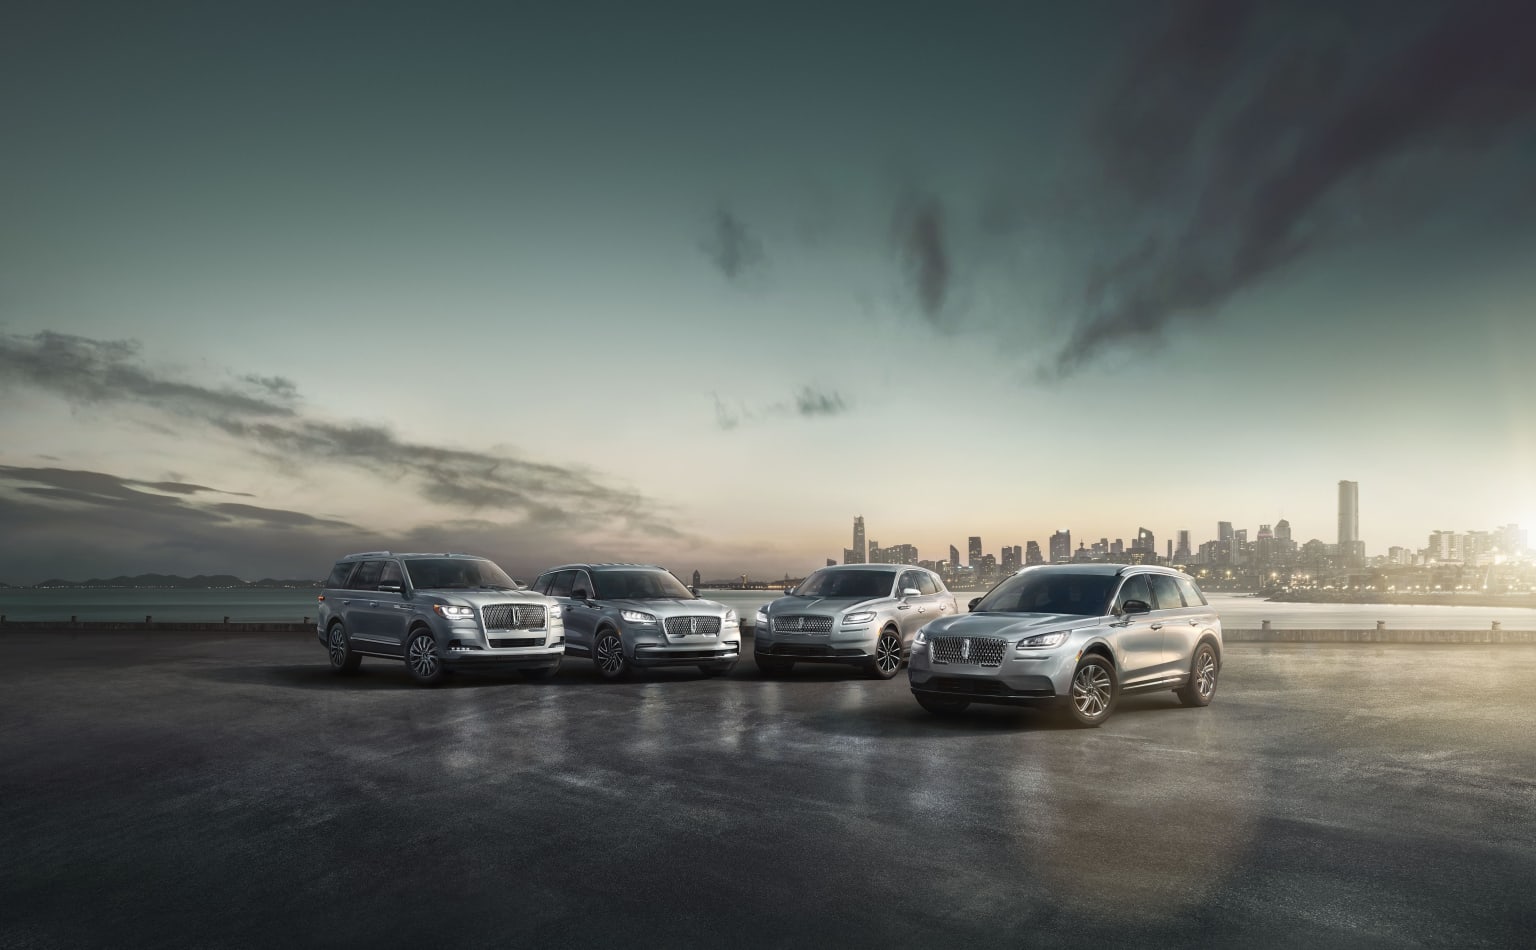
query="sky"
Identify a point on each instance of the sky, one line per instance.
(697, 283)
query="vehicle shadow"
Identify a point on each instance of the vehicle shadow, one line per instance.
(909, 720)
(319, 677)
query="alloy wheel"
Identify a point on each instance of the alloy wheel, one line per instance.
(1091, 689)
(610, 654)
(888, 653)
(423, 656)
(338, 645)
(1205, 674)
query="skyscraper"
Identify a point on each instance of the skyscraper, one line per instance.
(1061, 546)
(954, 556)
(975, 552)
(1283, 530)
(1182, 549)
(1350, 546)
(1223, 531)
(1032, 553)
(860, 552)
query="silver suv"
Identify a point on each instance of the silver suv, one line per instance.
(628, 616)
(436, 612)
(1077, 636)
(864, 615)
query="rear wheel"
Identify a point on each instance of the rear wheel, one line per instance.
(608, 655)
(339, 646)
(774, 666)
(421, 659)
(887, 659)
(1203, 670)
(942, 707)
(1094, 691)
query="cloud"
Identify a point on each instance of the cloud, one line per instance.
(1230, 149)
(809, 402)
(918, 232)
(731, 246)
(110, 373)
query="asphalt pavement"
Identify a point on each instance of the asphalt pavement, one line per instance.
(229, 791)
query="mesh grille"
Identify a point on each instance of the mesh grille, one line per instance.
(513, 616)
(802, 623)
(506, 642)
(980, 651)
(684, 626)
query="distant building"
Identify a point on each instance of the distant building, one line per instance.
(899, 554)
(974, 560)
(1032, 554)
(1282, 530)
(696, 580)
(1181, 550)
(954, 556)
(859, 550)
(1223, 531)
(831, 562)
(1010, 560)
(1351, 548)
(1061, 546)
(1117, 547)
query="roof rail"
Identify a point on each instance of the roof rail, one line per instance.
(368, 554)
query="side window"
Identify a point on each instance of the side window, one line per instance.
(339, 574)
(927, 583)
(581, 581)
(1192, 595)
(908, 580)
(1134, 588)
(1167, 592)
(391, 575)
(560, 584)
(366, 577)
(542, 584)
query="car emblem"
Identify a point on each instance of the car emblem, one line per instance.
(965, 649)
(693, 625)
(799, 623)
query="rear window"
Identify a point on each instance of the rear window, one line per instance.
(366, 576)
(339, 575)
(1192, 595)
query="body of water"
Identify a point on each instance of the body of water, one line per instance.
(284, 605)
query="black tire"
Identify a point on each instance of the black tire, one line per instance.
(1094, 691)
(339, 647)
(774, 665)
(421, 658)
(886, 662)
(608, 655)
(941, 706)
(1203, 671)
(542, 674)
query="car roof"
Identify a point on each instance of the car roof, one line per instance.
(606, 566)
(893, 568)
(362, 555)
(1102, 567)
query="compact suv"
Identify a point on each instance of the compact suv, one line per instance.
(864, 615)
(436, 612)
(628, 616)
(1077, 636)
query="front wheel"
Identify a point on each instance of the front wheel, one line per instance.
(339, 647)
(422, 661)
(887, 658)
(608, 656)
(1202, 678)
(942, 707)
(1094, 691)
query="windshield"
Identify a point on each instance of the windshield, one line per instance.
(638, 585)
(457, 573)
(829, 583)
(1049, 592)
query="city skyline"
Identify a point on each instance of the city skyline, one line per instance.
(281, 286)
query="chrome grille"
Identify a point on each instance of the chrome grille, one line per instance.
(685, 626)
(980, 651)
(513, 616)
(802, 623)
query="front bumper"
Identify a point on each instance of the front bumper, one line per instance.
(543, 658)
(1021, 679)
(853, 647)
(721, 652)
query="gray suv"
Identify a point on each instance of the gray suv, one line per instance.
(630, 616)
(864, 615)
(1077, 636)
(436, 612)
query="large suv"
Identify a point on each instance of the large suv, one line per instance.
(863, 615)
(1076, 636)
(436, 612)
(629, 616)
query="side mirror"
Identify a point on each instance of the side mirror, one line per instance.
(390, 588)
(581, 594)
(693, 590)
(1136, 607)
(972, 605)
(911, 592)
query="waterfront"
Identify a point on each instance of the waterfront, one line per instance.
(1238, 612)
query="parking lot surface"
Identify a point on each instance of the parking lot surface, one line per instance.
(182, 790)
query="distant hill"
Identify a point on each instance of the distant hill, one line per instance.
(199, 582)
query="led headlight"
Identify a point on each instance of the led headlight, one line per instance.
(921, 638)
(762, 617)
(635, 616)
(862, 616)
(453, 612)
(730, 618)
(1043, 641)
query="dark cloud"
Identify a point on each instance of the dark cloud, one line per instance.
(96, 372)
(732, 246)
(924, 255)
(1230, 147)
(809, 403)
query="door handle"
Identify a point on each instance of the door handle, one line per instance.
(922, 610)
(346, 603)
(1157, 626)
(904, 607)
(372, 603)
(1194, 623)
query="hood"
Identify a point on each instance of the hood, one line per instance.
(671, 606)
(482, 598)
(820, 605)
(1007, 625)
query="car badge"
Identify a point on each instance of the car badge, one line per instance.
(799, 623)
(965, 649)
(693, 625)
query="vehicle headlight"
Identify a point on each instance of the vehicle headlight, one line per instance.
(635, 616)
(453, 612)
(730, 618)
(762, 618)
(921, 638)
(555, 618)
(1044, 641)
(862, 616)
